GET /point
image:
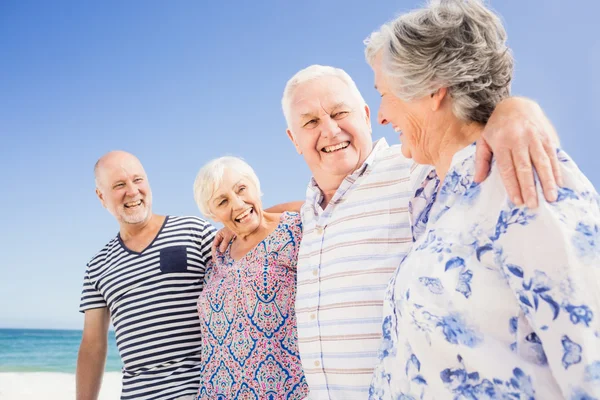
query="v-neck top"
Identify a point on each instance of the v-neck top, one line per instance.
(152, 297)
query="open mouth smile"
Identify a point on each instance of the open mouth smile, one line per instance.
(335, 147)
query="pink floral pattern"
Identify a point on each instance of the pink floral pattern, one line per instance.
(250, 342)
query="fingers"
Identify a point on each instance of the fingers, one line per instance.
(506, 168)
(545, 169)
(483, 158)
(216, 241)
(524, 172)
(224, 245)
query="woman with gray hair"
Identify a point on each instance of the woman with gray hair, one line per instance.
(494, 300)
(247, 316)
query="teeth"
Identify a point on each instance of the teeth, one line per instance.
(397, 130)
(242, 215)
(342, 145)
(133, 203)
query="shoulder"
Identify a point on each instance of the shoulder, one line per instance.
(188, 221)
(291, 218)
(100, 258)
(293, 222)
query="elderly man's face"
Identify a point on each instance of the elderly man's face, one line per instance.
(330, 127)
(123, 188)
(236, 203)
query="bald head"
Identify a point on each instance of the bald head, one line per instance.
(122, 187)
(114, 159)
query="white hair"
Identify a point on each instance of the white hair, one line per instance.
(456, 44)
(210, 177)
(312, 73)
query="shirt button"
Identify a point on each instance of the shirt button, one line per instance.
(319, 230)
(315, 272)
(313, 316)
(317, 363)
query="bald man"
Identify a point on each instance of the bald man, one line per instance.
(146, 280)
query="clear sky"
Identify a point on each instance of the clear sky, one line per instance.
(179, 83)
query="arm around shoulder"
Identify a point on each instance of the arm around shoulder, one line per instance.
(292, 206)
(92, 353)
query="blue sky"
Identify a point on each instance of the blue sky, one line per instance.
(180, 83)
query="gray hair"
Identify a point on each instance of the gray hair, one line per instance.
(457, 44)
(311, 73)
(210, 177)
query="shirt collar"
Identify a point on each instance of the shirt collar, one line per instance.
(314, 196)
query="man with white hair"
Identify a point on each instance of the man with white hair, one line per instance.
(146, 280)
(355, 219)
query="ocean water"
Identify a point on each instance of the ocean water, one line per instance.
(45, 350)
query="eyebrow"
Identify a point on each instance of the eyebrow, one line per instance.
(222, 195)
(335, 107)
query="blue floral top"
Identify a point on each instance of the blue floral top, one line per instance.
(495, 301)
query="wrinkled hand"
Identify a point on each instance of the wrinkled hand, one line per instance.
(520, 136)
(222, 239)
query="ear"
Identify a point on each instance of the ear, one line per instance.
(368, 118)
(101, 197)
(293, 139)
(437, 98)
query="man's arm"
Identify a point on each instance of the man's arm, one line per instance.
(92, 353)
(521, 137)
(293, 206)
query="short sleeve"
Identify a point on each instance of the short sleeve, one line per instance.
(90, 297)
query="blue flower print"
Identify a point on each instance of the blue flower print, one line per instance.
(579, 314)
(534, 290)
(465, 385)
(586, 240)
(387, 348)
(433, 284)
(514, 215)
(456, 331)
(566, 193)
(572, 352)
(592, 372)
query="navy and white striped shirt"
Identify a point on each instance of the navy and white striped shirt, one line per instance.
(152, 301)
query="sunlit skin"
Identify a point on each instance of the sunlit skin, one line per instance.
(331, 129)
(236, 204)
(123, 189)
(429, 131)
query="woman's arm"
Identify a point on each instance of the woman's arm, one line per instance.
(551, 259)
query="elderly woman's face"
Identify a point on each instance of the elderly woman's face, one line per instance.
(236, 203)
(410, 119)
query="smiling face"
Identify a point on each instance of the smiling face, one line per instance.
(123, 188)
(330, 127)
(236, 203)
(410, 119)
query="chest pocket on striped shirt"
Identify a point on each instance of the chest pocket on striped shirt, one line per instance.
(173, 259)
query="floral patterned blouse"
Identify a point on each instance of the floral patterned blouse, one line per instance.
(248, 322)
(495, 301)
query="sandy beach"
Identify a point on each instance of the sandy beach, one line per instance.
(51, 386)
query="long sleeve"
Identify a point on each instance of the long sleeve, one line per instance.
(551, 259)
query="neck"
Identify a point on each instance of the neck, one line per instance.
(128, 231)
(456, 137)
(329, 184)
(265, 224)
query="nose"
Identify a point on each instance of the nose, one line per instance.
(132, 189)
(237, 203)
(330, 128)
(381, 119)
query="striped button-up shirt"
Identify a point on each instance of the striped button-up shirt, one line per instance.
(347, 256)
